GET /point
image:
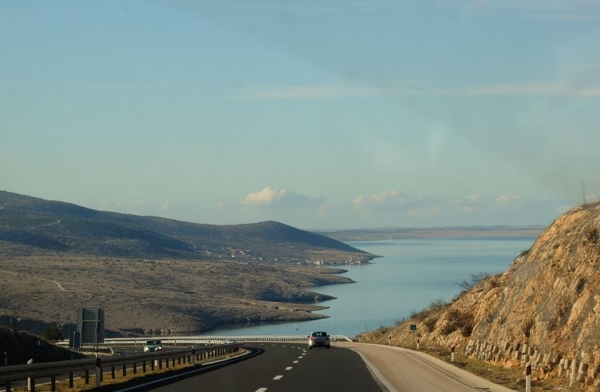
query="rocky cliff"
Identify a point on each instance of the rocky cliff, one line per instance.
(545, 308)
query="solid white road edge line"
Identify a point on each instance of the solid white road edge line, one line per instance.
(376, 372)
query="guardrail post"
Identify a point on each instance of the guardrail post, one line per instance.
(112, 372)
(70, 379)
(173, 361)
(30, 383)
(160, 363)
(167, 363)
(87, 377)
(528, 377)
(98, 371)
(124, 369)
(134, 368)
(144, 367)
(8, 386)
(53, 383)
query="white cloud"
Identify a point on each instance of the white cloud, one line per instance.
(541, 88)
(405, 210)
(273, 196)
(474, 198)
(323, 210)
(504, 199)
(267, 196)
(376, 200)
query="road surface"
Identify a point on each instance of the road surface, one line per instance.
(291, 367)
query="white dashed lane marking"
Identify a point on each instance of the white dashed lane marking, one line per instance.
(261, 389)
(296, 361)
(288, 368)
(278, 377)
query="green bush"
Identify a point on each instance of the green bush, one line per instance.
(53, 333)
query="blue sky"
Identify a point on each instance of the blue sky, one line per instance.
(318, 114)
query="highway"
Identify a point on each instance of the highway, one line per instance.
(283, 367)
(291, 367)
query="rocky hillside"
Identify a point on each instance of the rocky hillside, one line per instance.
(545, 308)
(32, 226)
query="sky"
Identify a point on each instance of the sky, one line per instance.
(319, 114)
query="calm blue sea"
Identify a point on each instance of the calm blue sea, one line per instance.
(411, 274)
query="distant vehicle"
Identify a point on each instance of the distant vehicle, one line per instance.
(318, 339)
(153, 345)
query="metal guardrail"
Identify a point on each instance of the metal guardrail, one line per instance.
(174, 340)
(33, 371)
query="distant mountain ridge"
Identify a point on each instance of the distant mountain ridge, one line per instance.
(30, 225)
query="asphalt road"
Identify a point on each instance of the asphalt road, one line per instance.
(279, 367)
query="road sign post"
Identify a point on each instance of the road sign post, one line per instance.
(413, 328)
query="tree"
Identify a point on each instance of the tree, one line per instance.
(53, 333)
(475, 279)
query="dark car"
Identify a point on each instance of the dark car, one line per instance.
(318, 339)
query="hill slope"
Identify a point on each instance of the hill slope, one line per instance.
(21, 346)
(30, 226)
(155, 275)
(545, 308)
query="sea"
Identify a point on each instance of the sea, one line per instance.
(410, 275)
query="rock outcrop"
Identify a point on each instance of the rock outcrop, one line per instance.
(544, 309)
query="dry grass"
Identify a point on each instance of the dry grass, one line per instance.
(145, 296)
(510, 377)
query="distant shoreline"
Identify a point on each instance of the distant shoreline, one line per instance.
(440, 233)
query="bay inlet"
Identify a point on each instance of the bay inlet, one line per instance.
(411, 274)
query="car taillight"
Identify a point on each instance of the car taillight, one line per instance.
(311, 338)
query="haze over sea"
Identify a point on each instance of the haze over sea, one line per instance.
(411, 274)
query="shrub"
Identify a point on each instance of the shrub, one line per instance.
(430, 323)
(457, 320)
(475, 279)
(527, 326)
(53, 333)
(592, 235)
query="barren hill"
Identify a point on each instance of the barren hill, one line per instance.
(545, 308)
(33, 226)
(155, 275)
